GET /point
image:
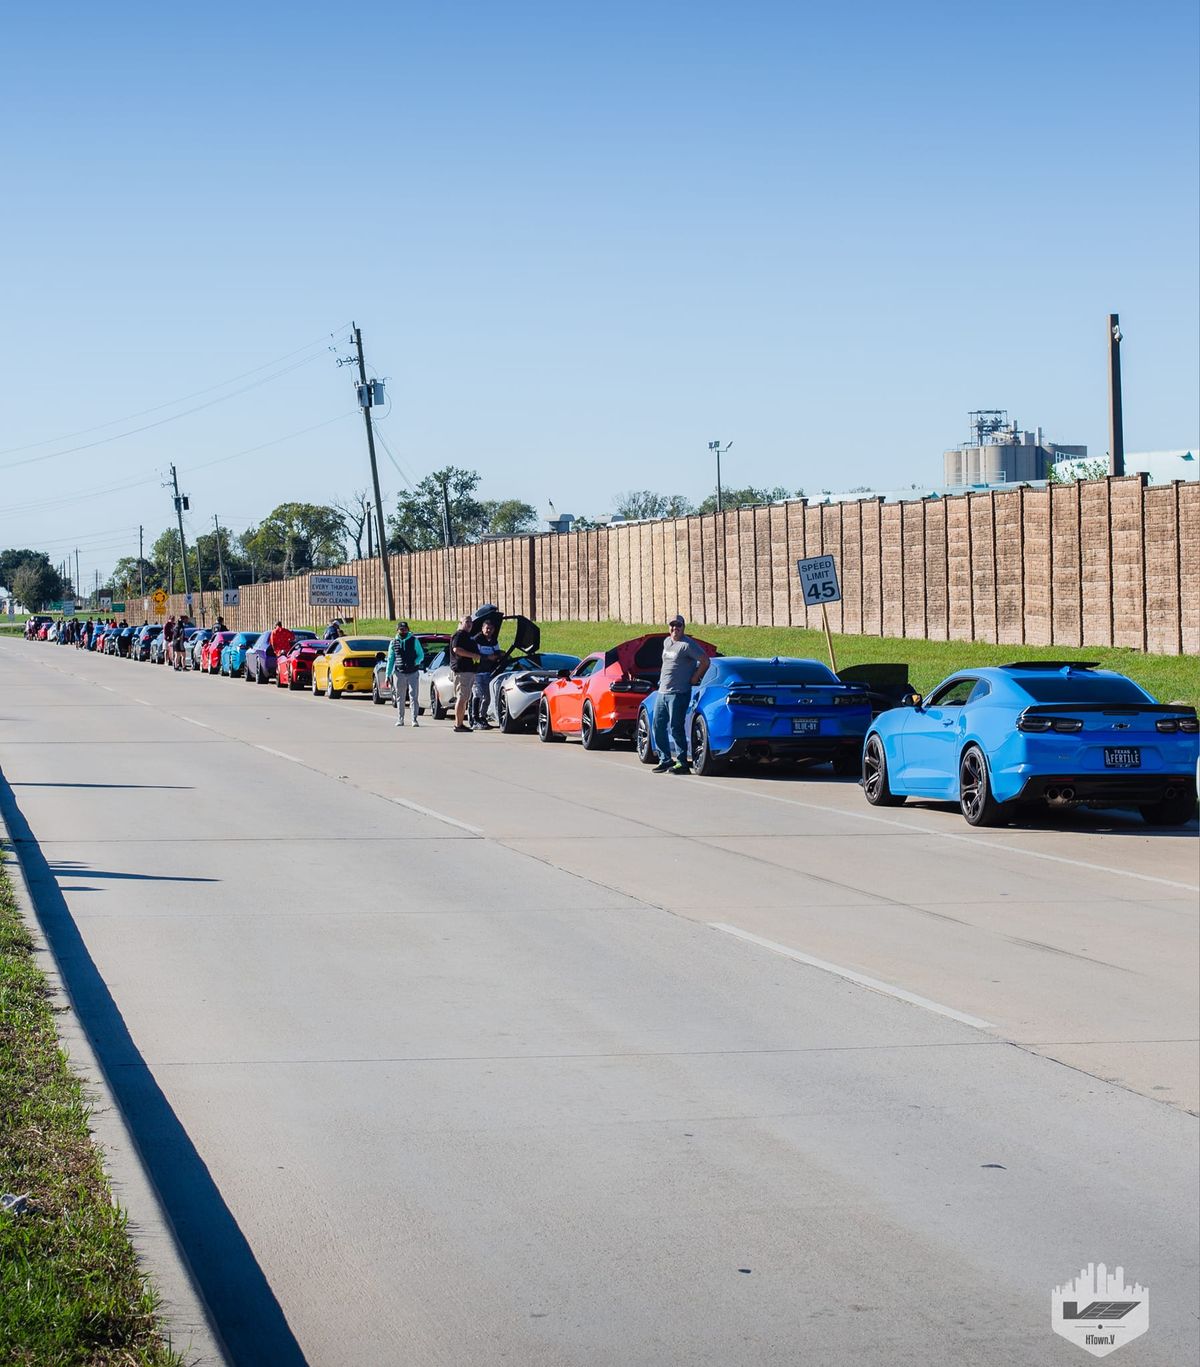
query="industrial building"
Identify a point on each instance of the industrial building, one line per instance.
(999, 452)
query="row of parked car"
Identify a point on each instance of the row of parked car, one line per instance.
(998, 741)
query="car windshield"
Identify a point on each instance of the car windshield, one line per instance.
(1081, 687)
(777, 672)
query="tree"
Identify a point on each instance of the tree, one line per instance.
(126, 580)
(1073, 470)
(636, 504)
(511, 517)
(354, 513)
(745, 498)
(417, 523)
(12, 560)
(293, 538)
(36, 582)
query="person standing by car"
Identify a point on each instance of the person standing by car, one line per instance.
(168, 634)
(464, 660)
(177, 641)
(684, 664)
(281, 640)
(405, 657)
(334, 630)
(489, 654)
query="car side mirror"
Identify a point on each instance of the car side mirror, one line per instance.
(916, 701)
(564, 673)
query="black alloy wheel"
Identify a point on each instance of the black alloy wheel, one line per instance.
(436, 710)
(875, 776)
(376, 697)
(1171, 811)
(545, 730)
(644, 739)
(704, 762)
(508, 725)
(591, 735)
(975, 798)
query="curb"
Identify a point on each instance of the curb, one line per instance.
(185, 1318)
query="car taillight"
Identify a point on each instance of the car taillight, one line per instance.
(849, 700)
(1168, 724)
(632, 686)
(353, 662)
(1063, 725)
(753, 699)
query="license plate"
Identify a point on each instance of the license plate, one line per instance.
(1122, 757)
(805, 726)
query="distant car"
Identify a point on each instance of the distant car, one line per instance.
(1037, 734)
(158, 649)
(348, 666)
(260, 658)
(294, 668)
(210, 651)
(436, 684)
(233, 654)
(431, 641)
(515, 690)
(600, 699)
(142, 638)
(112, 640)
(35, 624)
(195, 644)
(782, 708)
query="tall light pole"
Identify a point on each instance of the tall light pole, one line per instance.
(717, 448)
(1116, 425)
(368, 396)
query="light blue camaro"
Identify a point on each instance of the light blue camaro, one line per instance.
(233, 656)
(768, 709)
(1033, 734)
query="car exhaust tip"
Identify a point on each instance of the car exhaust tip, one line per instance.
(1068, 794)
(1051, 794)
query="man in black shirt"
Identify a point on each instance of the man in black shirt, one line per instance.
(464, 660)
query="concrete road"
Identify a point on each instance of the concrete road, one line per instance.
(470, 1050)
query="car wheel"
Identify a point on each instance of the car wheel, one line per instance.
(875, 776)
(644, 739)
(545, 730)
(375, 694)
(704, 762)
(591, 735)
(847, 763)
(330, 691)
(436, 710)
(1171, 811)
(507, 724)
(261, 677)
(316, 692)
(975, 791)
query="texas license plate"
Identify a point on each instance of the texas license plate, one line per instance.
(805, 726)
(1122, 757)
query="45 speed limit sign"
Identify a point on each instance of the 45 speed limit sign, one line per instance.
(819, 581)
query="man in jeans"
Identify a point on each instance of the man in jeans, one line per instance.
(684, 664)
(404, 659)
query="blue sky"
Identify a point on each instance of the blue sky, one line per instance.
(581, 242)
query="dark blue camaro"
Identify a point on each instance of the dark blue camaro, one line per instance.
(768, 709)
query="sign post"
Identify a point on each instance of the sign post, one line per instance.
(820, 587)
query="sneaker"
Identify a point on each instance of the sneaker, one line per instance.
(680, 768)
(415, 722)
(463, 730)
(663, 766)
(483, 725)
(400, 722)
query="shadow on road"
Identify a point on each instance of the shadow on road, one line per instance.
(74, 868)
(240, 1302)
(157, 787)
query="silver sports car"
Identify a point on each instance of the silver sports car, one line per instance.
(514, 691)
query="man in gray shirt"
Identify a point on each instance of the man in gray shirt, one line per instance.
(684, 664)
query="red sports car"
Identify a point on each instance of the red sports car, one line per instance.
(294, 670)
(598, 701)
(210, 651)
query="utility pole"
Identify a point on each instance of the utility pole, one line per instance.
(141, 562)
(200, 581)
(1116, 425)
(716, 447)
(365, 398)
(78, 585)
(220, 558)
(180, 504)
(370, 542)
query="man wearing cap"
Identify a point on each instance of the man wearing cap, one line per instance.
(404, 659)
(684, 664)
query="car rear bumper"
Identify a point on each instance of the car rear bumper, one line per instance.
(792, 747)
(1112, 790)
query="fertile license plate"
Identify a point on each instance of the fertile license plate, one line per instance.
(805, 726)
(1122, 757)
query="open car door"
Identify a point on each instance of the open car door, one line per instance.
(888, 684)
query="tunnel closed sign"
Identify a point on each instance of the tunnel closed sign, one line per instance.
(333, 591)
(818, 580)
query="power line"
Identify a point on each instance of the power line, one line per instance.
(171, 403)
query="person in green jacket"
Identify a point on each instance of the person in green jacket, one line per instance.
(405, 656)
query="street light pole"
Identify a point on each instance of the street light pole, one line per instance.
(717, 448)
(1116, 425)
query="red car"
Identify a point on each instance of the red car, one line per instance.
(294, 670)
(210, 651)
(599, 700)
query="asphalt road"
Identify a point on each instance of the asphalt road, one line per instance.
(469, 1050)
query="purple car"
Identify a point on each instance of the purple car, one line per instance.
(260, 658)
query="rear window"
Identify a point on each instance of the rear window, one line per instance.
(1081, 687)
(780, 672)
(359, 644)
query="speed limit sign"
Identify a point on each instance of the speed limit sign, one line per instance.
(819, 581)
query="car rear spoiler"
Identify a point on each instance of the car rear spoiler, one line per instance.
(1122, 709)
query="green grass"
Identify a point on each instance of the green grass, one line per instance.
(71, 1293)
(1171, 678)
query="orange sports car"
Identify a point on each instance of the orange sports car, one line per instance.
(598, 701)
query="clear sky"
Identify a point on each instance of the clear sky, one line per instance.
(581, 242)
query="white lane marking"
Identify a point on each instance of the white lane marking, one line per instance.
(437, 816)
(203, 724)
(279, 754)
(994, 845)
(851, 976)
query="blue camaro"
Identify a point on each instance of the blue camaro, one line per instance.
(768, 709)
(1061, 735)
(233, 656)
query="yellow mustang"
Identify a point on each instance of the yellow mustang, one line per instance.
(347, 666)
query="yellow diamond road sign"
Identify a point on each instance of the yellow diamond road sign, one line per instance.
(159, 596)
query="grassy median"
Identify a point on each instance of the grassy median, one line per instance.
(1171, 678)
(71, 1293)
